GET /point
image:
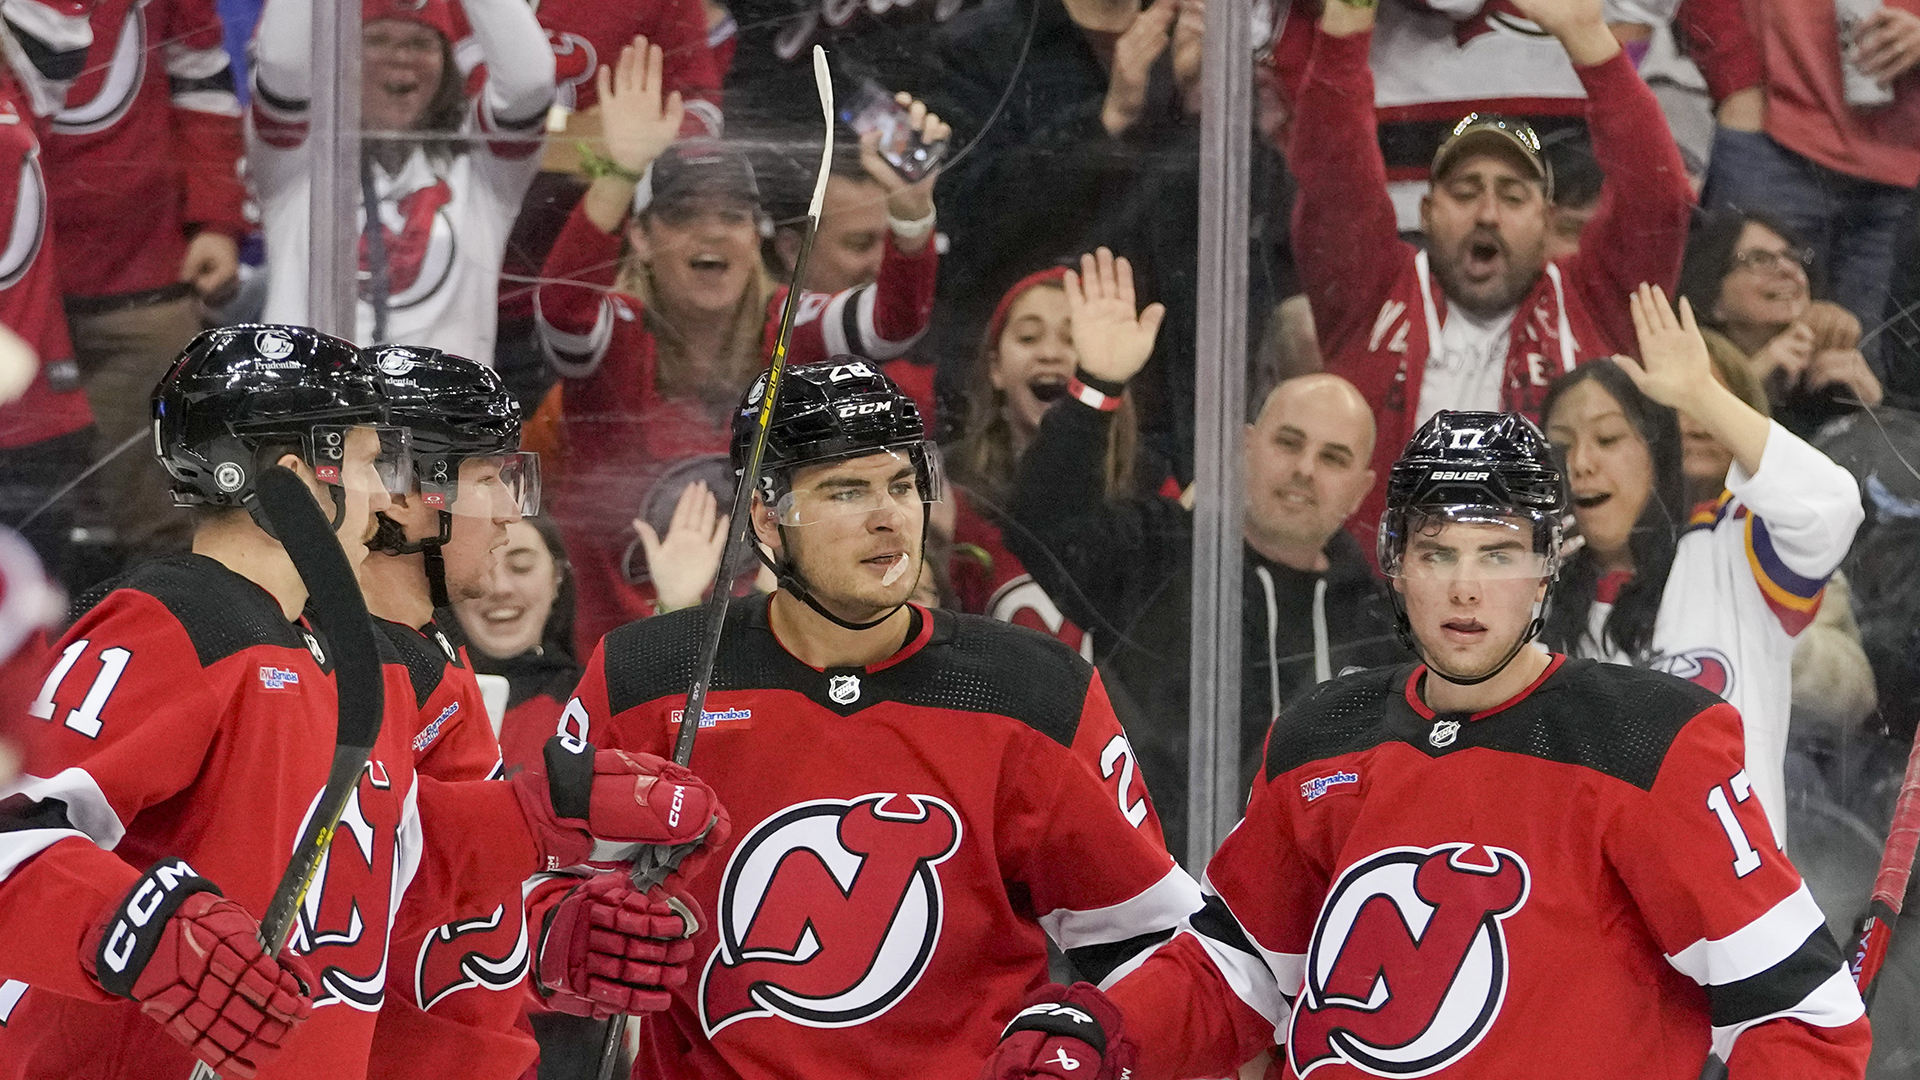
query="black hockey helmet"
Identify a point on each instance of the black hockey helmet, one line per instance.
(236, 389)
(1485, 466)
(453, 409)
(845, 407)
(1490, 461)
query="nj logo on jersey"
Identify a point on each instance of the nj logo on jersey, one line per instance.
(488, 952)
(830, 911)
(343, 919)
(1408, 965)
(1708, 669)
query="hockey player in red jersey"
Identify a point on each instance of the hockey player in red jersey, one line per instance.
(911, 789)
(186, 727)
(1498, 863)
(454, 987)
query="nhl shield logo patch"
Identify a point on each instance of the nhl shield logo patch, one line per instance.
(1444, 732)
(844, 689)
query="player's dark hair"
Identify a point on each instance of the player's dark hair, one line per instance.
(265, 456)
(1655, 534)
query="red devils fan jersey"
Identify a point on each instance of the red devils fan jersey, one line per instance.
(906, 837)
(29, 291)
(1579, 883)
(620, 431)
(148, 145)
(453, 988)
(185, 716)
(991, 581)
(588, 33)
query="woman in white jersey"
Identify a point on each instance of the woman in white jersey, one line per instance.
(447, 170)
(1718, 595)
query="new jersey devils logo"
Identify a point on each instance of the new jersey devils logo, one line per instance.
(1708, 669)
(343, 919)
(829, 911)
(490, 952)
(574, 62)
(1408, 966)
(113, 85)
(29, 226)
(1022, 602)
(421, 247)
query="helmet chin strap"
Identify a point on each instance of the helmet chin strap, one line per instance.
(788, 577)
(1533, 631)
(1404, 628)
(391, 537)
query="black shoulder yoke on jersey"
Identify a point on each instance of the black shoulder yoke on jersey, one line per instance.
(424, 654)
(969, 664)
(222, 612)
(1613, 719)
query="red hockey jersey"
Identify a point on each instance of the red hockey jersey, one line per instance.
(906, 837)
(991, 581)
(619, 432)
(185, 716)
(454, 987)
(1577, 883)
(29, 287)
(147, 148)
(588, 33)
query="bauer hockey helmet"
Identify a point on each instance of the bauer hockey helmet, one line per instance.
(1474, 466)
(238, 389)
(453, 409)
(842, 408)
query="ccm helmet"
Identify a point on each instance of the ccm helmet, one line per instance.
(842, 408)
(453, 409)
(1474, 466)
(237, 389)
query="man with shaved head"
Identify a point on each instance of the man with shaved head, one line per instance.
(1122, 569)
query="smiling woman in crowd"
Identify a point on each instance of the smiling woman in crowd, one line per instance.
(1746, 277)
(1717, 596)
(656, 312)
(522, 629)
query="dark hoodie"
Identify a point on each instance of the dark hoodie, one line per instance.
(1122, 569)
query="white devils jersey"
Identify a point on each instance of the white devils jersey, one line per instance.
(444, 224)
(1747, 578)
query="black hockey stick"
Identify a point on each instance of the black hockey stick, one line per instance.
(653, 865)
(340, 614)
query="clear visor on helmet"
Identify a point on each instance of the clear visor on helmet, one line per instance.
(496, 485)
(903, 478)
(1472, 542)
(335, 451)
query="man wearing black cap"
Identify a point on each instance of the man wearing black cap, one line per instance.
(1480, 319)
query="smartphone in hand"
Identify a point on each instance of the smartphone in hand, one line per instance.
(873, 108)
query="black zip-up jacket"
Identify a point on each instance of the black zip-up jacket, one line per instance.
(1123, 571)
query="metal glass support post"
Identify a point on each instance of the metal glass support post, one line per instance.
(1220, 385)
(333, 135)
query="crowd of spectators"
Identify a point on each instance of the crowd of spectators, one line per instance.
(1457, 205)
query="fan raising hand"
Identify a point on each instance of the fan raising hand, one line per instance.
(1675, 370)
(1111, 337)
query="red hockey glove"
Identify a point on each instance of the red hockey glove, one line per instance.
(623, 800)
(1058, 1033)
(194, 962)
(609, 948)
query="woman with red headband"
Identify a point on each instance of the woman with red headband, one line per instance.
(1025, 364)
(447, 171)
